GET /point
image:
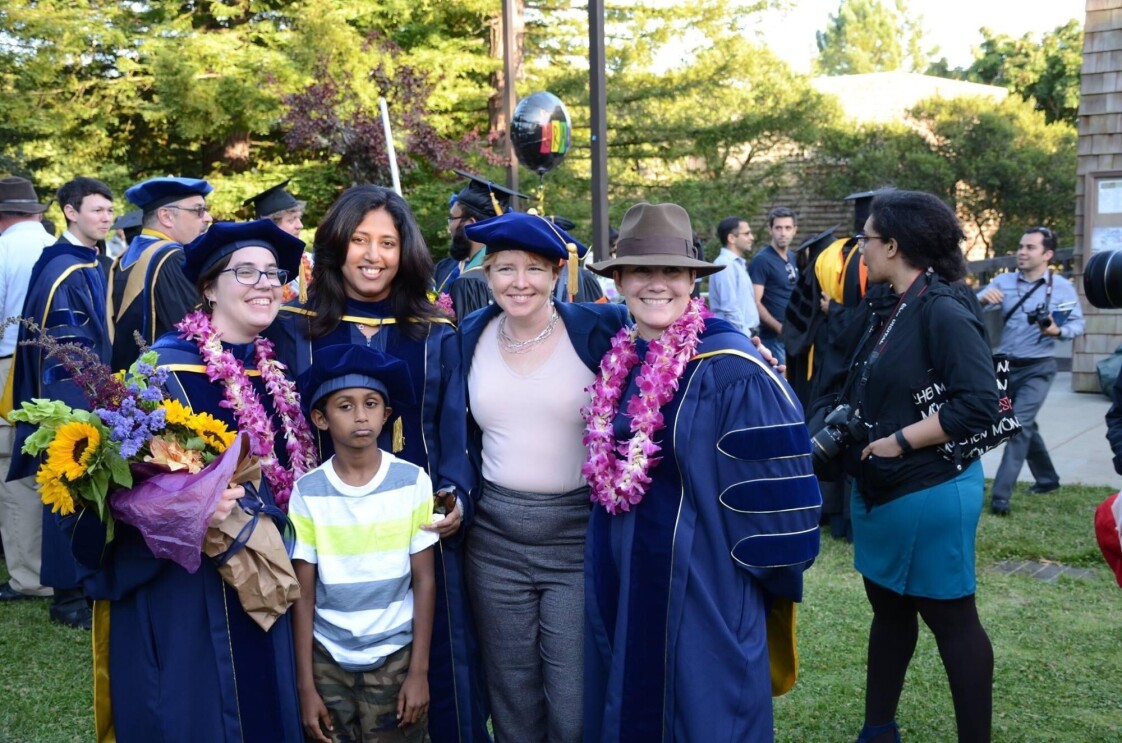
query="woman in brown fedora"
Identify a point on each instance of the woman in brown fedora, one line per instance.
(705, 508)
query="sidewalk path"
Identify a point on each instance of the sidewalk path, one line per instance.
(1074, 431)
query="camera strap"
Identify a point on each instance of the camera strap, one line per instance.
(914, 292)
(1047, 296)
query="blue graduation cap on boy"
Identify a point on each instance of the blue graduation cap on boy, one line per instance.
(349, 365)
(533, 234)
(153, 193)
(223, 238)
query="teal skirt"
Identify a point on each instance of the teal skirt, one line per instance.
(922, 544)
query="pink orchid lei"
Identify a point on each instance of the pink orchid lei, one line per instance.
(444, 304)
(246, 404)
(618, 483)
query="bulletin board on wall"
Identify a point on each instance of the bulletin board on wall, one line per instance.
(1102, 215)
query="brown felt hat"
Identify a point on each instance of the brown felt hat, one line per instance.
(655, 235)
(18, 195)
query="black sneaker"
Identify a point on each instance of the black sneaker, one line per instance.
(1001, 509)
(78, 618)
(1041, 489)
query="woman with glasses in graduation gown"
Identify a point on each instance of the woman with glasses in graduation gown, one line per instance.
(184, 660)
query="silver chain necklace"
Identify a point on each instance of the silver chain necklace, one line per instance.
(516, 346)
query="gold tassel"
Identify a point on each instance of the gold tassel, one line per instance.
(574, 266)
(398, 435)
(302, 284)
(495, 203)
(103, 706)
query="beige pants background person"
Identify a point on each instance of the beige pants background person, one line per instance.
(21, 516)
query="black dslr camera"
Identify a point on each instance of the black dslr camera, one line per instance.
(842, 427)
(1040, 316)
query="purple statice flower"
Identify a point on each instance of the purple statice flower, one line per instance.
(131, 426)
(151, 394)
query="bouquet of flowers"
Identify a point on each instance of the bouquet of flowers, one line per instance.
(133, 435)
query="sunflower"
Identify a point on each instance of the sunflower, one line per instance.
(178, 414)
(213, 431)
(73, 448)
(53, 492)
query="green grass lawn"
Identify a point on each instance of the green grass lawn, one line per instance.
(1057, 668)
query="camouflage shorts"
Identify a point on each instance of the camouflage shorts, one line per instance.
(363, 706)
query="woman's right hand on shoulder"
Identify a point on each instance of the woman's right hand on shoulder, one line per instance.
(226, 504)
(315, 717)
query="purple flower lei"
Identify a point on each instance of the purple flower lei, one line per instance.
(618, 472)
(248, 410)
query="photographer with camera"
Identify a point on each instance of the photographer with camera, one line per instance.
(915, 513)
(1039, 306)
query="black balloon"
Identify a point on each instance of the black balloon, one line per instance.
(541, 132)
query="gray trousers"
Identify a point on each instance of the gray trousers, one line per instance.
(525, 575)
(1028, 385)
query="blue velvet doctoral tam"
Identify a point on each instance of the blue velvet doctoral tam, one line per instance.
(186, 663)
(678, 588)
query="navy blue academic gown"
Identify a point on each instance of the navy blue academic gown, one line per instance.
(186, 663)
(434, 440)
(66, 297)
(677, 589)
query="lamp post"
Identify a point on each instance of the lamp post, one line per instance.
(598, 104)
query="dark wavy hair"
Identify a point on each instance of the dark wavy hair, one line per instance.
(409, 289)
(1048, 237)
(73, 193)
(925, 229)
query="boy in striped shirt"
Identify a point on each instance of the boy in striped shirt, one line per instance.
(363, 622)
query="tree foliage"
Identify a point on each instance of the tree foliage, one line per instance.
(871, 36)
(1045, 71)
(1002, 165)
(249, 92)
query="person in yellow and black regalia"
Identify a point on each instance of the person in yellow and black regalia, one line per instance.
(147, 290)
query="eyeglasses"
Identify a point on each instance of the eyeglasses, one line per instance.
(198, 211)
(862, 239)
(792, 274)
(250, 276)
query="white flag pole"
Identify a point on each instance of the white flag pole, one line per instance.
(389, 146)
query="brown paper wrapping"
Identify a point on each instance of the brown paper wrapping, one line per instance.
(261, 572)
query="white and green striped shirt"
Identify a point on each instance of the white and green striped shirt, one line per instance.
(360, 538)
